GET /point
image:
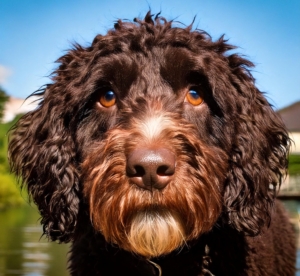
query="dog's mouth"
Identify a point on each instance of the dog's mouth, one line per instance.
(155, 233)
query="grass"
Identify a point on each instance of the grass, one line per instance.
(294, 164)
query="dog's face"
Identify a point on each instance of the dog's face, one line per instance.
(154, 178)
(158, 134)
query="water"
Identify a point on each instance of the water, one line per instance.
(22, 249)
(24, 252)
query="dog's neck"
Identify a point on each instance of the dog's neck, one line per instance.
(209, 255)
(206, 262)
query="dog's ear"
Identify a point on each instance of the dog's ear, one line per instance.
(41, 153)
(258, 161)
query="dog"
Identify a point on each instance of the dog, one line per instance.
(154, 153)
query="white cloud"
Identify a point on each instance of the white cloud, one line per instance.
(4, 74)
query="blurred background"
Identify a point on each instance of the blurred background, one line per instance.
(35, 33)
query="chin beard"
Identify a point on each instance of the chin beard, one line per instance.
(152, 234)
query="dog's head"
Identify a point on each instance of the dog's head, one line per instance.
(158, 132)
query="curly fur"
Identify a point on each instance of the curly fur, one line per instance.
(217, 216)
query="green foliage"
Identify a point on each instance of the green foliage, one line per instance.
(294, 164)
(3, 99)
(10, 194)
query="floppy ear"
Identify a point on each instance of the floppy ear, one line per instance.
(41, 153)
(260, 145)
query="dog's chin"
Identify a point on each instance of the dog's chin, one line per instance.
(152, 234)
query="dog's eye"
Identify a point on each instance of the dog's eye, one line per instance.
(194, 97)
(108, 98)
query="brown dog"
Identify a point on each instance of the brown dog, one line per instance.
(153, 152)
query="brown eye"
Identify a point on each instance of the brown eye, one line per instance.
(108, 98)
(194, 97)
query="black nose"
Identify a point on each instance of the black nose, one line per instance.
(151, 168)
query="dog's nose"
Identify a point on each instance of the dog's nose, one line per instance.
(151, 168)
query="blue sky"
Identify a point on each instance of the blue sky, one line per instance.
(34, 33)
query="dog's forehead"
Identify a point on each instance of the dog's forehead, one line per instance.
(158, 67)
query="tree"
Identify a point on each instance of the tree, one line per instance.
(3, 99)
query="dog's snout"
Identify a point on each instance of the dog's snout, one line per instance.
(151, 168)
